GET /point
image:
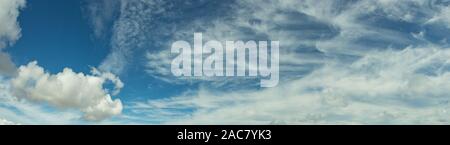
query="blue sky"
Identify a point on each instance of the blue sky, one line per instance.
(57, 34)
(108, 62)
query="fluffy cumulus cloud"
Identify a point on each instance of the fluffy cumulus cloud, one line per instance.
(68, 90)
(9, 27)
(21, 111)
(29, 94)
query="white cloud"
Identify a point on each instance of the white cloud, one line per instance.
(9, 27)
(342, 27)
(129, 32)
(383, 82)
(9, 32)
(21, 111)
(68, 90)
(6, 122)
(443, 17)
(407, 86)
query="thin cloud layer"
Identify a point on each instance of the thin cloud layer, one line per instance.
(407, 86)
(129, 33)
(344, 62)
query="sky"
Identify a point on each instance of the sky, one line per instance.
(109, 62)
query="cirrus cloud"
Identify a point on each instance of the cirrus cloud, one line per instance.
(407, 86)
(380, 62)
